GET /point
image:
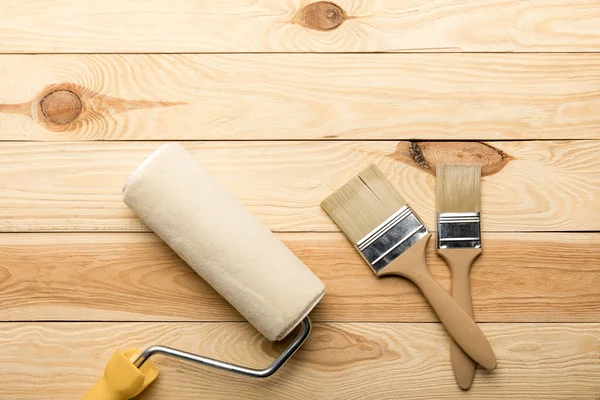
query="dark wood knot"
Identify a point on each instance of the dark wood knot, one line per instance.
(321, 16)
(430, 154)
(61, 106)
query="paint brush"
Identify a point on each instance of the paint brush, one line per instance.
(392, 240)
(459, 243)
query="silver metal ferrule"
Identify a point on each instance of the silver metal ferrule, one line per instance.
(392, 238)
(458, 230)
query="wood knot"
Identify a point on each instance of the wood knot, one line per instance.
(427, 155)
(65, 106)
(320, 16)
(61, 106)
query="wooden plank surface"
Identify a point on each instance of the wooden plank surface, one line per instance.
(242, 85)
(272, 25)
(530, 186)
(339, 361)
(302, 96)
(521, 277)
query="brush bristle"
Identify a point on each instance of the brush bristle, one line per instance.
(458, 188)
(363, 203)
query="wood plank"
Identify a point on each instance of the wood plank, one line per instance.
(300, 96)
(530, 186)
(521, 277)
(272, 25)
(339, 361)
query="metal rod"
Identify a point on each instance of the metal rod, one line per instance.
(238, 369)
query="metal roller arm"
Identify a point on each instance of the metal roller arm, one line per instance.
(238, 369)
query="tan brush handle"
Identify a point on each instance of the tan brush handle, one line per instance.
(458, 323)
(460, 261)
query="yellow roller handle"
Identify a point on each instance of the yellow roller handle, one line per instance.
(103, 391)
(122, 380)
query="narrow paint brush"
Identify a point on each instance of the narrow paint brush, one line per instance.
(392, 239)
(459, 243)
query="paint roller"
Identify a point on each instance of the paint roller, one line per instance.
(230, 249)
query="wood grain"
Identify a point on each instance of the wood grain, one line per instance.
(89, 89)
(546, 186)
(339, 361)
(304, 96)
(271, 25)
(521, 277)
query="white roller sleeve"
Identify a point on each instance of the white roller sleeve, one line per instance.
(225, 244)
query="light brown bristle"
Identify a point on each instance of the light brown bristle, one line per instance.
(457, 188)
(363, 203)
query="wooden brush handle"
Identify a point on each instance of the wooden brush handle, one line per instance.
(460, 261)
(457, 322)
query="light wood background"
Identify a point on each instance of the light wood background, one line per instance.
(284, 101)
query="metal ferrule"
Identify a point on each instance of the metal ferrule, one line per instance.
(458, 230)
(392, 238)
